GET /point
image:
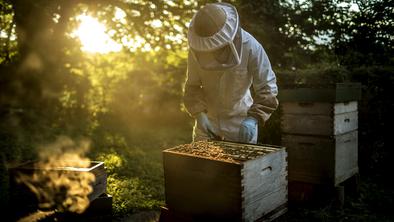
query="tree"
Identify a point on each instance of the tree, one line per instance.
(295, 33)
(366, 38)
(46, 82)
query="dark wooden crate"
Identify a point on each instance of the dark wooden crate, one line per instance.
(23, 196)
(322, 160)
(342, 92)
(207, 189)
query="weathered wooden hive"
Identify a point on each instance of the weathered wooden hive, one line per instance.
(226, 181)
(23, 197)
(319, 128)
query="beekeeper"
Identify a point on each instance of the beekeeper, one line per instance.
(224, 64)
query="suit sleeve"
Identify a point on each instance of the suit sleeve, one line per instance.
(193, 98)
(264, 85)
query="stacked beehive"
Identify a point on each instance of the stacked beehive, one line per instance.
(224, 181)
(319, 129)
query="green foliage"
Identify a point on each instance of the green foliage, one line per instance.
(375, 110)
(299, 33)
(267, 21)
(366, 38)
(295, 34)
(7, 33)
(131, 194)
(314, 76)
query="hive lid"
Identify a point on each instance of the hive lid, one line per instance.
(33, 166)
(340, 92)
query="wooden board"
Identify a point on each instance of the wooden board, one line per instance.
(318, 108)
(346, 156)
(343, 92)
(264, 185)
(324, 125)
(310, 159)
(345, 107)
(202, 188)
(321, 160)
(99, 185)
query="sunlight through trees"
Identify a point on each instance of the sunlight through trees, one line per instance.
(113, 71)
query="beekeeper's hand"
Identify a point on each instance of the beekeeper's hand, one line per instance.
(205, 124)
(248, 129)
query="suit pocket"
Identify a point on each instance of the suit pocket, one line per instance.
(240, 83)
(235, 85)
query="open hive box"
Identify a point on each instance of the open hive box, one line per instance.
(33, 183)
(229, 181)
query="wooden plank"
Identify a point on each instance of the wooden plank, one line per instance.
(96, 167)
(318, 108)
(345, 107)
(310, 159)
(267, 204)
(342, 93)
(264, 185)
(202, 187)
(307, 108)
(345, 122)
(346, 157)
(307, 124)
(99, 186)
(322, 125)
(307, 95)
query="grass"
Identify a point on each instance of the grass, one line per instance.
(133, 158)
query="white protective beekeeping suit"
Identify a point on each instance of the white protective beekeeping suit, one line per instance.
(223, 65)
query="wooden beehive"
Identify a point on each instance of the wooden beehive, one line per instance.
(319, 129)
(322, 160)
(21, 194)
(233, 182)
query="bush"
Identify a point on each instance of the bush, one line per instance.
(317, 76)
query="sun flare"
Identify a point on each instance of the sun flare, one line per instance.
(93, 36)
